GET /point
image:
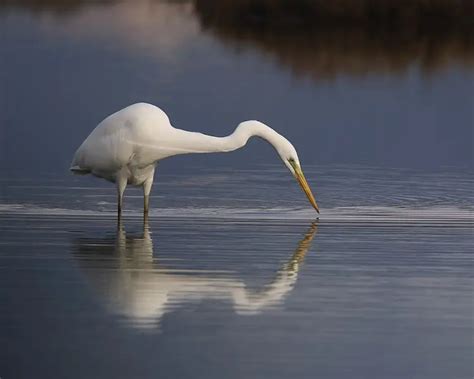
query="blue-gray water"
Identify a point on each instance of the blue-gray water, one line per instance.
(233, 276)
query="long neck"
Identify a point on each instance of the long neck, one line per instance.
(185, 142)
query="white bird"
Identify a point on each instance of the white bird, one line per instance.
(126, 146)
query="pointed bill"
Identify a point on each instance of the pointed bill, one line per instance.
(304, 185)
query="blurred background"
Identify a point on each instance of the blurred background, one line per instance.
(382, 83)
(376, 95)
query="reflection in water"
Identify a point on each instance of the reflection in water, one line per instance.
(323, 39)
(56, 6)
(318, 39)
(133, 284)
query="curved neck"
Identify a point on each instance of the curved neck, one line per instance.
(190, 142)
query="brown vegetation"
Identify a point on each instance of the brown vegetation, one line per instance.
(309, 12)
(325, 38)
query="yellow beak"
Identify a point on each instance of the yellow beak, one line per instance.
(304, 185)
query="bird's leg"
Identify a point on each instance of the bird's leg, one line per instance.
(121, 184)
(146, 203)
(146, 227)
(119, 205)
(146, 195)
(119, 225)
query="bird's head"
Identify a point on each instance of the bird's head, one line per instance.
(289, 156)
(284, 148)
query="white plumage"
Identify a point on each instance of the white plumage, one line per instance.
(125, 147)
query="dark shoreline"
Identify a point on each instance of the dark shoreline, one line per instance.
(320, 40)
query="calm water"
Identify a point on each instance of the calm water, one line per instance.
(233, 275)
(230, 283)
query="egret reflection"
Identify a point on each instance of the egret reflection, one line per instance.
(134, 285)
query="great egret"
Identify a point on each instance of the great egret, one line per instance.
(125, 147)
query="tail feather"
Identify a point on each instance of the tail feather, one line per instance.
(77, 170)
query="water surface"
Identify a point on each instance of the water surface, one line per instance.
(218, 285)
(233, 275)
